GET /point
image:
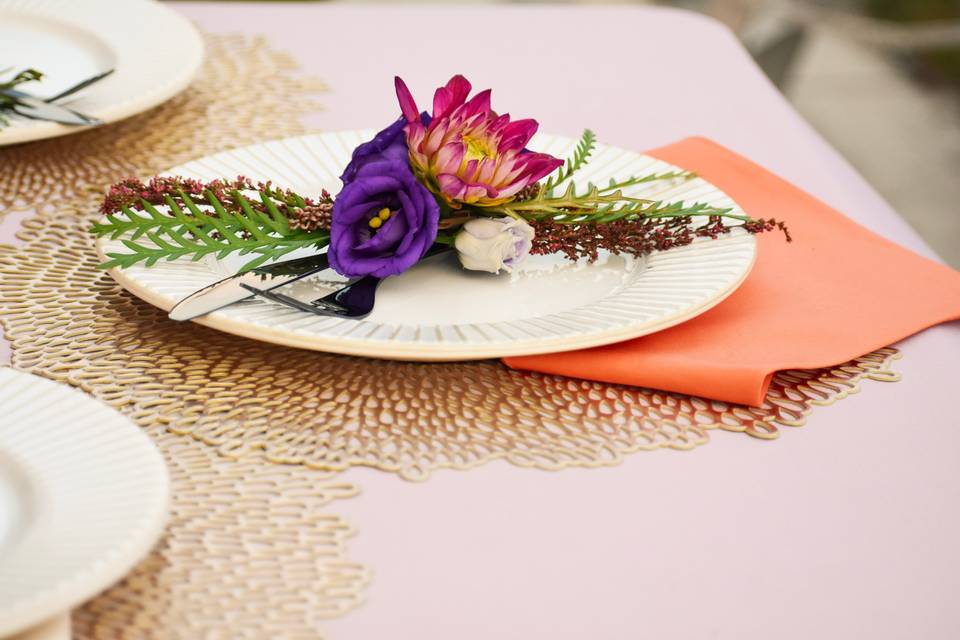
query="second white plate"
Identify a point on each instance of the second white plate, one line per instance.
(438, 311)
(83, 496)
(154, 51)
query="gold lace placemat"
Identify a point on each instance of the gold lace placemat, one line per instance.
(215, 573)
(252, 550)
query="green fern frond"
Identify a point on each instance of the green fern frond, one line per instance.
(196, 228)
(597, 205)
(580, 157)
(633, 181)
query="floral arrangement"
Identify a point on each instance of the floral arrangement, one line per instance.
(461, 176)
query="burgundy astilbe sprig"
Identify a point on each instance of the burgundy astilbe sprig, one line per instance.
(759, 225)
(130, 192)
(303, 214)
(634, 237)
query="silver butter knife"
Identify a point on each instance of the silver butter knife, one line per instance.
(231, 289)
(31, 107)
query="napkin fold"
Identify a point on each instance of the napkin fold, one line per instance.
(836, 292)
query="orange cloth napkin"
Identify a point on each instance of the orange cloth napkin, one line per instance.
(836, 292)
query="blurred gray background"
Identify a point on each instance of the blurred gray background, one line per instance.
(880, 79)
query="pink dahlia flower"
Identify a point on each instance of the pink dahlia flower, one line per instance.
(465, 152)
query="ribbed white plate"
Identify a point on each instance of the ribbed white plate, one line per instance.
(437, 311)
(83, 496)
(155, 52)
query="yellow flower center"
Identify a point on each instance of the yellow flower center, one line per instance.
(382, 216)
(477, 148)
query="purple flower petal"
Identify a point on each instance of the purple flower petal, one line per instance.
(382, 180)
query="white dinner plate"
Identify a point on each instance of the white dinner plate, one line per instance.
(155, 52)
(84, 495)
(437, 311)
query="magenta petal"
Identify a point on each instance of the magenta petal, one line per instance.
(442, 100)
(475, 121)
(500, 165)
(415, 136)
(448, 98)
(436, 133)
(451, 185)
(476, 192)
(517, 134)
(486, 170)
(508, 168)
(478, 104)
(407, 104)
(459, 88)
(499, 123)
(469, 170)
(513, 189)
(537, 165)
(448, 158)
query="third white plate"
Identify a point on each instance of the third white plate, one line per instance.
(83, 496)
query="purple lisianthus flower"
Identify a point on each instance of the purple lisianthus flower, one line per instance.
(383, 220)
(388, 144)
(391, 143)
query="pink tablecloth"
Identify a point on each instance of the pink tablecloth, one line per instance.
(846, 528)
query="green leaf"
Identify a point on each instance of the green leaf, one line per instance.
(192, 227)
(580, 157)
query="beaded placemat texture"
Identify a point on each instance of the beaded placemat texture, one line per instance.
(215, 573)
(252, 550)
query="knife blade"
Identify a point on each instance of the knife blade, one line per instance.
(35, 108)
(230, 289)
(69, 91)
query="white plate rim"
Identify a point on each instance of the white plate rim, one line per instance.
(354, 347)
(129, 25)
(347, 345)
(119, 551)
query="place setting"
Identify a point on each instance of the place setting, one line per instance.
(66, 66)
(462, 235)
(205, 359)
(464, 275)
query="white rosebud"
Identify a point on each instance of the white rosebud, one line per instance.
(491, 244)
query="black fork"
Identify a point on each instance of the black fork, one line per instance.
(355, 300)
